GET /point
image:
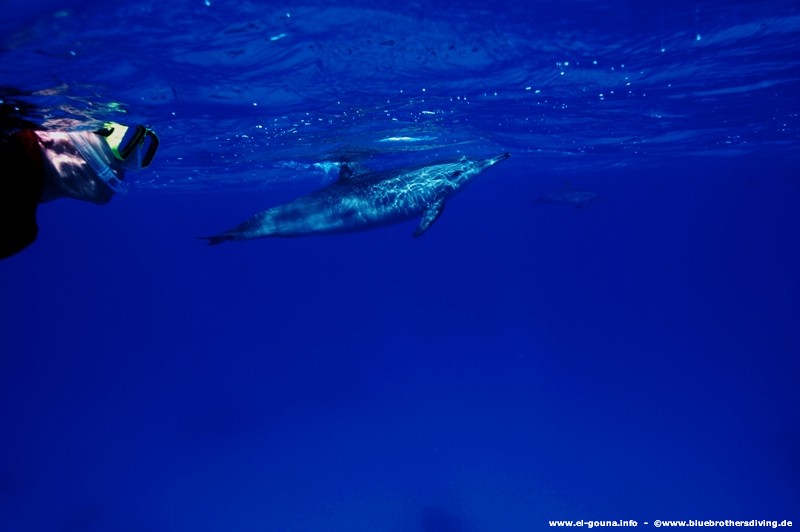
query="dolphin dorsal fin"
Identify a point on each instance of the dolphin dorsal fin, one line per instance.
(430, 215)
(345, 172)
(351, 170)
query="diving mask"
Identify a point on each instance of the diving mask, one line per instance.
(126, 141)
(133, 147)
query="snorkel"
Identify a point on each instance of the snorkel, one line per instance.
(94, 155)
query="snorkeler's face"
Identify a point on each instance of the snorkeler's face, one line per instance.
(61, 152)
(67, 172)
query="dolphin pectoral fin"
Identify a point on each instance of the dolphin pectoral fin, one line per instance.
(430, 215)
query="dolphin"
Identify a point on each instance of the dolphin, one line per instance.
(569, 196)
(362, 201)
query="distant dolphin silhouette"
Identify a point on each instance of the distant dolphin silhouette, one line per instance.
(362, 201)
(569, 196)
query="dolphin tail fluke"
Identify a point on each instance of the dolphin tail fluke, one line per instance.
(217, 239)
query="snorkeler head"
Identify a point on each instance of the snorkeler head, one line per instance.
(91, 165)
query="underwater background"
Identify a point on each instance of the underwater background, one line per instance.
(605, 326)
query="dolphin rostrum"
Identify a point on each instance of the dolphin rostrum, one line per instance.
(361, 201)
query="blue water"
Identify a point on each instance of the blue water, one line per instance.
(634, 358)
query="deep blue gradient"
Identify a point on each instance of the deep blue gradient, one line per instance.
(634, 358)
